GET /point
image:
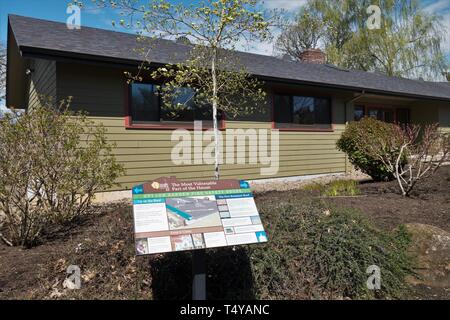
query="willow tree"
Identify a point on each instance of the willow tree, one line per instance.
(2, 72)
(212, 29)
(407, 44)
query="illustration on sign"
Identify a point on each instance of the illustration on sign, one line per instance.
(172, 215)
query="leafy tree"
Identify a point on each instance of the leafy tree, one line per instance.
(408, 43)
(340, 18)
(211, 68)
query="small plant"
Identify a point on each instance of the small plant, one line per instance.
(335, 188)
(342, 188)
(369, 130)
(315, 187)
(52, 162)
(416, 153)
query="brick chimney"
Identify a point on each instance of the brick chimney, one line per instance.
(315, 56)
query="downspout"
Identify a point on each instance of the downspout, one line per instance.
(354, 99)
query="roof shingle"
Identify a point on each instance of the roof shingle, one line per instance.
(46, 35)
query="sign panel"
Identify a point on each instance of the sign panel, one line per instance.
(172, 215)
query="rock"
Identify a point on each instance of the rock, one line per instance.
(431, 248)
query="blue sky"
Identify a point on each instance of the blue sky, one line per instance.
(101, 18)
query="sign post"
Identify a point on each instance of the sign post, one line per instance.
(199, 275)
(172, 215)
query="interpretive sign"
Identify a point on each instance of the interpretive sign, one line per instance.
(172, 215)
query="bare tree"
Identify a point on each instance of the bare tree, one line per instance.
(305, 34)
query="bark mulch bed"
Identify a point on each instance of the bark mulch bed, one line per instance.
(102, 244)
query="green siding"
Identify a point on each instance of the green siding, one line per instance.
(43, 81)
(146, 154)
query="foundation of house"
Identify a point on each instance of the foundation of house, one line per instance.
(260, 185)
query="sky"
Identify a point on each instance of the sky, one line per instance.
(93, 16)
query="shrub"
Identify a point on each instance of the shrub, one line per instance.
(419, 153)
(321, 252)
(52, 161)
(371, 130)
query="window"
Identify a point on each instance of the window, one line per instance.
(146, 106)
(403, 116)
(382, 114)
(386, 114)
(360, 112)
(302, 112)
(144, 103)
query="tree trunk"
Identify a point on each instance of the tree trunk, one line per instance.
(215, 105)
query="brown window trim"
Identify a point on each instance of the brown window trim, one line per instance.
(158, 126)
(303, 129)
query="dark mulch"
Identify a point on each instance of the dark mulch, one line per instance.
(102, 245)
(428, 204)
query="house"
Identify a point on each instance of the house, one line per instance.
(310, 102)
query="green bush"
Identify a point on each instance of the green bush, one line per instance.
(320, 252)
(369, 130)
(52, 162)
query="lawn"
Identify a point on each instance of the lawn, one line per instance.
(102, 245)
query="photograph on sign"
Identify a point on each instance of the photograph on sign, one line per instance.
(171, 215)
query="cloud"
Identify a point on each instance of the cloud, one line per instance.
(265, 48)
(437, 6)
(288, 5)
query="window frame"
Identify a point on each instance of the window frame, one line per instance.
(170, 125)
(301, 93)
(393, 108)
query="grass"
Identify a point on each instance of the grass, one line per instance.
(337, 188)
